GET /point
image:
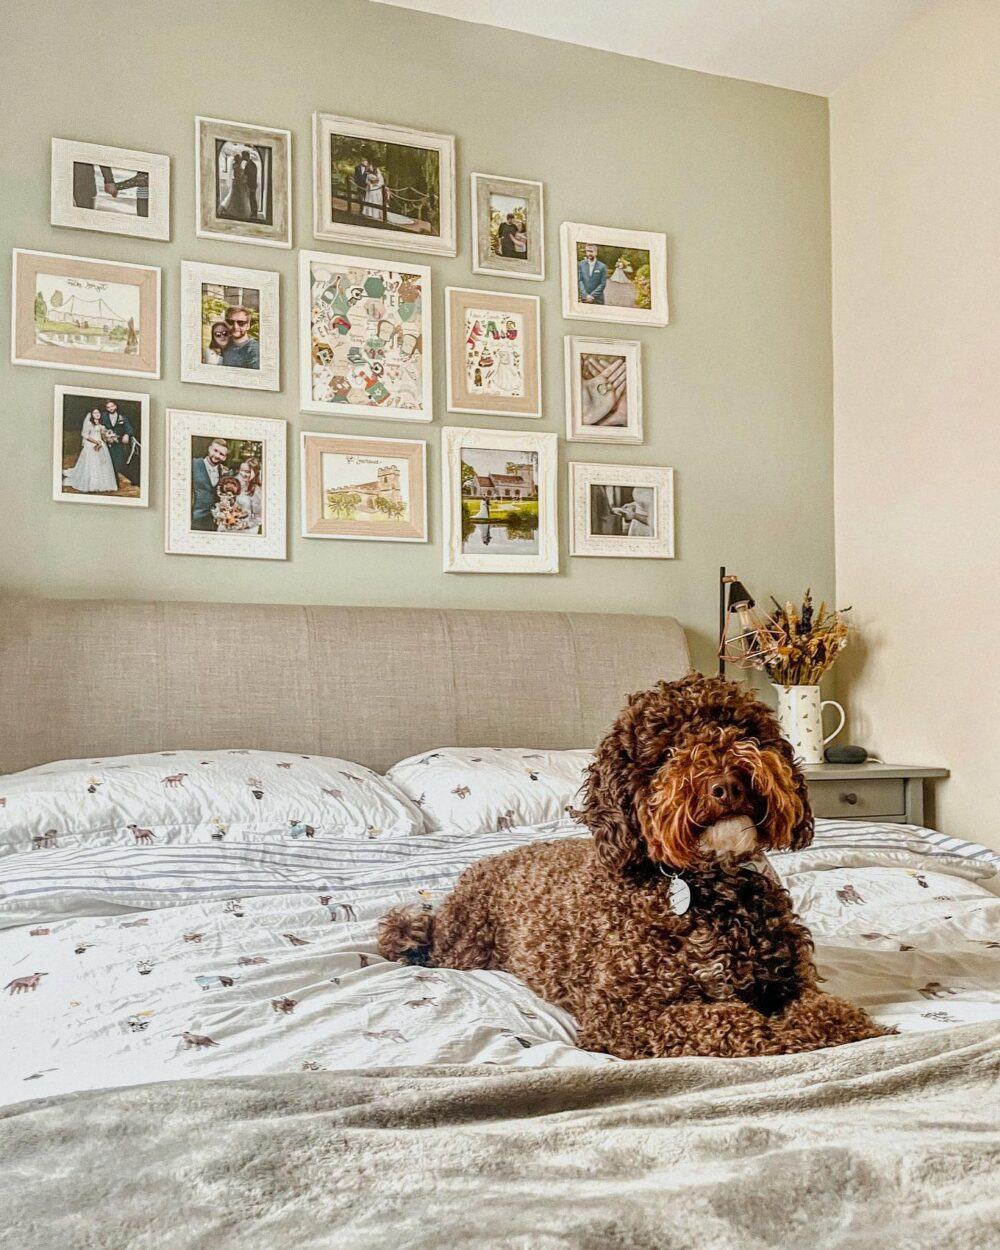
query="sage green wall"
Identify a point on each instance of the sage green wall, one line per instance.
(738, 386)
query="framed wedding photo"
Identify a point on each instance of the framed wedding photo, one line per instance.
(499, 501)
(364, 338)
(508, 227)
(494, 352)
(229, 326)
(603, 390)
(374, 489)
(613, 275)
(243, 182)
(100, 442)
(621, 510)
(114, 190)
(92, 316)
(225, 485)
(383, 186)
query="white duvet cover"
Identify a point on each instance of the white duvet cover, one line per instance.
(123, 964)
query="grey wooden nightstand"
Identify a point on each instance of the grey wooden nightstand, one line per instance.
(869, 791)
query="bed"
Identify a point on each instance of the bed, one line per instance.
(202, 1044)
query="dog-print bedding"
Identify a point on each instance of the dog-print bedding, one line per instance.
(123, 964)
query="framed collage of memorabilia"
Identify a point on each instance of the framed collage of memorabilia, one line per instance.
(494, 353)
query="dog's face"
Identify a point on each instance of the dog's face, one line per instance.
(694, 773)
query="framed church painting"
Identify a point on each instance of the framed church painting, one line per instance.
(373, 489)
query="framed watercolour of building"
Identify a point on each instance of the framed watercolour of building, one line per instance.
(494, 352)
(499, 501)
(613, 275)
(95, 316)
(364, 488)
(364, 337)
(603, 390)
(383, 186)
(622, 510)
(243, 182)
(225, 485)
(113, 190)
(229, 326)
(100, 447)
(508, 227)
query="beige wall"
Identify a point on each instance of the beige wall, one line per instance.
(915, 193)
(738, 387)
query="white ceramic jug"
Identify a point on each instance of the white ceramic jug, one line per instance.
(800, 715)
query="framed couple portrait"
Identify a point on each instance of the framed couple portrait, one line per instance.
(508, 227)
(621, 510)
(100, 443)
(243, 182)
(112, 190)
(225, 485)
(372, 489)
(610, 274)
(229, 326)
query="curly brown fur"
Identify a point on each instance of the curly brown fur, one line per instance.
(693, 778)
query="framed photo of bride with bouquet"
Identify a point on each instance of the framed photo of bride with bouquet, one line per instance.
(99, 441)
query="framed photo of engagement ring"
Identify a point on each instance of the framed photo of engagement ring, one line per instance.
(603, 390)
(508, 227)
(383, 186)
(225, 485)
(494, 352)
(622, 510)
(243, 182)
(499, 501)
(100, 440)
(373, 489)
(114, 190)
(364, 337)
(229, 326)
(93, 316)
(613, 275)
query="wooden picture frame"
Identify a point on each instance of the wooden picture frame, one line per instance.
(256, 208)
(493, 341)
(525, 201)
(380, 484)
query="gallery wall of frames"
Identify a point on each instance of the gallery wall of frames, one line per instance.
(365, 350)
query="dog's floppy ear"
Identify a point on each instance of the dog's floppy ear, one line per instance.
(802, 833)
(607, 808)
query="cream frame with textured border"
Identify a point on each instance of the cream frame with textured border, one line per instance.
(573, 232)
(207, 224)
(194, 275)
(657, 546)
(484, 259)
(65, 212)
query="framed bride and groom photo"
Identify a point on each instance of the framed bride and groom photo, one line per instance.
(99, 441)
(609, 274)
(243, 182)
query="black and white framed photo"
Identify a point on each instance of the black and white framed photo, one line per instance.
(603, 390)
(243, 182)
(113, 190)
(610, 274)
(383, 186)
(100, 442)
(229, 326)
(508, 227)
(622, 510)
(226, 485)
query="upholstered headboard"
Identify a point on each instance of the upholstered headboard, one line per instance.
(81, 678)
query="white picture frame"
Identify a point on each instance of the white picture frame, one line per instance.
(610, 384)
(275, 164)
(460, 302)
(337, 364)
(195, 277)
(186, 431)
(116, 212)
(627, 279)
(353, 139)
(498, 445)
(654, 510)
(483, 188)
(378, 455)
(134, 405)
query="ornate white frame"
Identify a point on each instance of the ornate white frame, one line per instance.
(265, 236)
(453, 439)
(583, 543)
(63, 212)
(573, 232)
(145, 444)
(576, 431)
(268, 376)
(180, 539)
(483, 260)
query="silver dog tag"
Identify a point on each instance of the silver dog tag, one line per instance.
(679, 894)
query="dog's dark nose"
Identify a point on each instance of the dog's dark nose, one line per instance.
(726, 790)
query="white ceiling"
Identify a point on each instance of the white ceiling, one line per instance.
(806, 45)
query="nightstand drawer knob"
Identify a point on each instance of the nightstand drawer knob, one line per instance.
(850, 798)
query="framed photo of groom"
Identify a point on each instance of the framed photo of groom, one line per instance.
(229, 326)
(99, 442)
(613, 275)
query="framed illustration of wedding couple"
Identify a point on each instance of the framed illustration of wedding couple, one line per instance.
(621, 510)
(100, 440)
(603, 390)
(364, 337)
(93, 316)
(508, 227)
(610, 274)
(229, 326)
(113, 190)
(383, 186)
(494, 352)
(225, 485)
(243, 182)
(373, 489)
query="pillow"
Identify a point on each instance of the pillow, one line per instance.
(198, 796)
(468, 790)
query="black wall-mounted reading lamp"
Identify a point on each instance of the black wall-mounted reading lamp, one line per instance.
(733, 597)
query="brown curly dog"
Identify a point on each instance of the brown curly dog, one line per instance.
(691, 785)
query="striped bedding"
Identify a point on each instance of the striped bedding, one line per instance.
(122, 964)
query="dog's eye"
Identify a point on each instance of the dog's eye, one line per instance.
(668, 754)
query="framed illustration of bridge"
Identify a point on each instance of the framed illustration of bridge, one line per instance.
(383, 185)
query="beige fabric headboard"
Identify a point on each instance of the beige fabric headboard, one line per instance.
(96, 678)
